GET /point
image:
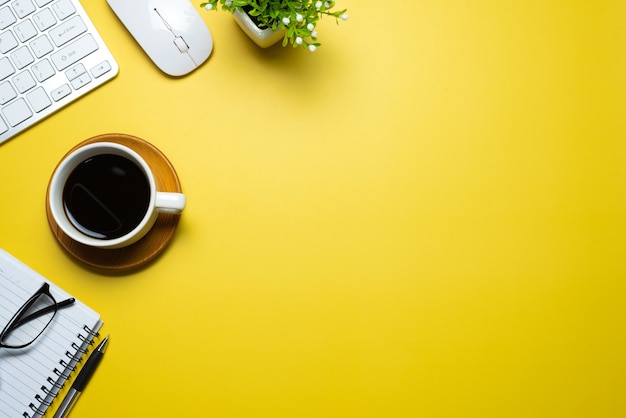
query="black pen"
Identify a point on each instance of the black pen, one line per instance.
(81, 380)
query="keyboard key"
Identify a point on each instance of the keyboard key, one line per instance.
(41, 46)
(101, 69)
(25, 30)
(42, 70)
(61, 92)
(7, 18)
(7, 93)
(24, 81)
(7, 42)
(67, 31)
(42, 3)
(22, 57)
(44, 19)
(74, 52)
(81, 81)
(3, 126)
(63, 9)
(17, 112)
(23, 8)
(75, 71)
(38, 99)
(6, 68)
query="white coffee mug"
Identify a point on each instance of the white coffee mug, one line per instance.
(167, 202)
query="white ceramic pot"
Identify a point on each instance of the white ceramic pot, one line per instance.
(261, 37)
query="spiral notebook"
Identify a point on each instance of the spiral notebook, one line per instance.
(32, 377)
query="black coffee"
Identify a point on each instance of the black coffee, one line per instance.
(106, 196)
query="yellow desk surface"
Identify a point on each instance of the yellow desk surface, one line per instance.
(424, 218)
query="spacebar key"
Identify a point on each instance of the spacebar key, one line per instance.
(74, 52)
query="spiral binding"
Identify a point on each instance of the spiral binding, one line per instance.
(62, 375)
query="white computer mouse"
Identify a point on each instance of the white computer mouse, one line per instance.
(171, 32)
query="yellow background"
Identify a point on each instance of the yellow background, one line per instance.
(424, 218)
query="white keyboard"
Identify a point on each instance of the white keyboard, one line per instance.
(50, 55)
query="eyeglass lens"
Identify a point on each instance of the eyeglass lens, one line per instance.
(23, 333)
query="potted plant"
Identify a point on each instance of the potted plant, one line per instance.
(268, 21)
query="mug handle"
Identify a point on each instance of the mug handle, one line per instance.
(168, 202)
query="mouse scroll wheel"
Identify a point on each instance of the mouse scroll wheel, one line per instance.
(181, 44)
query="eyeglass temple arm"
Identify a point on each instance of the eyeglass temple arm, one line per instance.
(43, 311)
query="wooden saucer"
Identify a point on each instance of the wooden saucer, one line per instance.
(123, 260)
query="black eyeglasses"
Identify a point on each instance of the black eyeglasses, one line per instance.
(32, 319)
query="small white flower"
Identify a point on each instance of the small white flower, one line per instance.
(208, 7)
(314, 34)
(228, 3)
(344, 16)
(312, 48)
(310, 26)
(299, 17)
(286, 21)
(299, 40)
(318, 5)
(326, 4)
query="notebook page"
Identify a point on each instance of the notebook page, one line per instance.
(31, 377)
